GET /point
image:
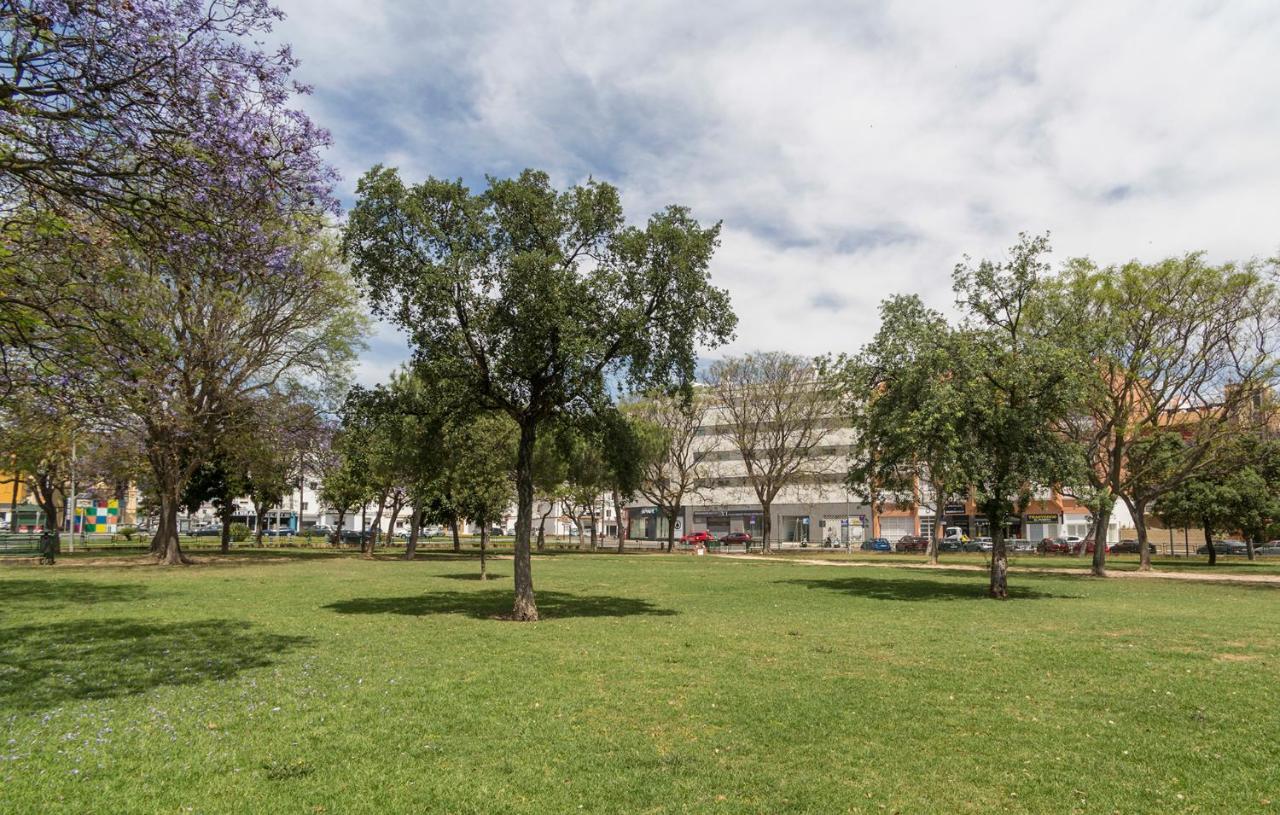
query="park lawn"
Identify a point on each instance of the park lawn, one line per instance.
(310, 683)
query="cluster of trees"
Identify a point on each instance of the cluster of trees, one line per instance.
(1146, 383)
(169, 273)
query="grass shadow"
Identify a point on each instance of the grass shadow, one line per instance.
(43, 666)
(472, 576)
(54, 593)
(484, 605)
(918, 589)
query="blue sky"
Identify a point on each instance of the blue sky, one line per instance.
(851, 149)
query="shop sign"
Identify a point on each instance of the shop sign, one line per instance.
(1042, 519)
(954, 509)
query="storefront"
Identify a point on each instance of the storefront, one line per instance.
(1044, 525)
(647, 523)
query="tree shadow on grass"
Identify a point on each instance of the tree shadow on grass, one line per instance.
(473, 576)
(43, 666)
(915, 589)
(484, 605)
(56, 592)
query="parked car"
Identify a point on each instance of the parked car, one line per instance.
(736, 537)
(211, 531)
(355, 536)
(1270, 549)
(951, 545)
(277, 532)
(983, 545)
(1226, 547)
(877, 545)
(912, 543)
(496, 530)
(701, 536)
(1078, 545)
(319, 529)
(1129, 546)
(1054, 546)
(1023, 545)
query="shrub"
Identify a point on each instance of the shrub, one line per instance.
(239, 533)
(127, 532)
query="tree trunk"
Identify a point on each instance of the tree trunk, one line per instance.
(371, 543)
(595, 544)
(768, 525)
(671, 529)
(542, 527)
(337, 532)
(411, 548)
(999, 587)
(617, 513)
(484, 546)
(259, 514)
(1248, 545)
(939, 525)
(1101, 523)
(13, 501)
(170, 550)
(457, 542)
(47, 497)
(397, 504)
(1208, 543)
(225, 513)
(525, 606)
(1144, 548)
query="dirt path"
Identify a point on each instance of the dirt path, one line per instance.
(1266, 579)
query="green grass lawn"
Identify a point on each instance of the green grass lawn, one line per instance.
(321, 683)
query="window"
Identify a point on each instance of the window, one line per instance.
(304, 505)
(311, 485)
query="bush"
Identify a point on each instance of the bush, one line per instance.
(127, 532)
(239, 533)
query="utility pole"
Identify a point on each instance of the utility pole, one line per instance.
(71, 499)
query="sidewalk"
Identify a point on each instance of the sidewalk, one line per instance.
(1265, 579)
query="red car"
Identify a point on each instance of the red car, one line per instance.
(1054, 546)
(912, 543)
(736, 537)
(701, 536)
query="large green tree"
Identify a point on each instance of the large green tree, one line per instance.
(529, 301)
(907, 391)
(1179, 343)
(1020, 385)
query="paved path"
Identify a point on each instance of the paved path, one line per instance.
(1266, 579)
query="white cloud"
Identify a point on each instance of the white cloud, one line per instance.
(852, 150)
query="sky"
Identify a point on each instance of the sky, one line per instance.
(852, 150)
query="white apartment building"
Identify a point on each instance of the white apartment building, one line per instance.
(816, 509)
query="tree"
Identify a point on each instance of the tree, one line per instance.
(485, 450)
(550, 479)
(529, 301)
(906, 391)
(165, 253)
(39, 439)
(1019, 384)
(135, 112)
(675, 451)
(1179, 343)
(342, 484)
(218, 482)
(778, 408)
(1241, 492)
